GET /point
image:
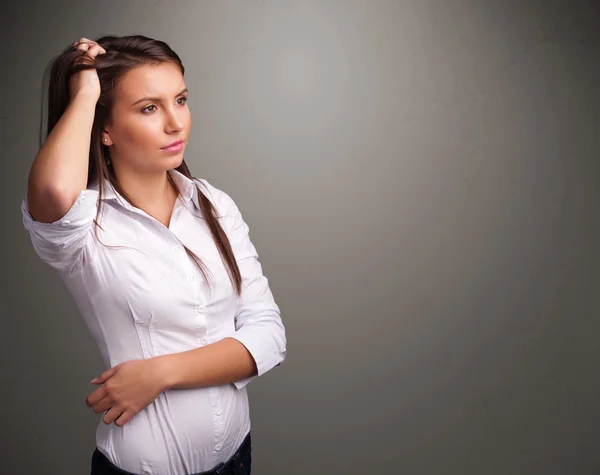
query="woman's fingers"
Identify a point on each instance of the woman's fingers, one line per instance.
(92, 50)
(83, 40)
(85, 44)
(95, 50)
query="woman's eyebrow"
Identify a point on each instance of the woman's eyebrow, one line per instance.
(157, 99)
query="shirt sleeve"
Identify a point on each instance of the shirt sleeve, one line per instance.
(61, 243)
(258, 321)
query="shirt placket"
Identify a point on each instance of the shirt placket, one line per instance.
(201, 325)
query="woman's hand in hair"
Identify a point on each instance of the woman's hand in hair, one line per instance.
(86, 80)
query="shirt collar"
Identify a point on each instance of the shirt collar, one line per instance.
(186, 185)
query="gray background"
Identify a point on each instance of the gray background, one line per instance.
(421, 181)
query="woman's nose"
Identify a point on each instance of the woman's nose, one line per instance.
(173, 122)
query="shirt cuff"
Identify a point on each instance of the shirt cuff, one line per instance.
(256, 340)
(60, 243)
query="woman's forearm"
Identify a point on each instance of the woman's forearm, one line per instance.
(219, 363)
(60, 169)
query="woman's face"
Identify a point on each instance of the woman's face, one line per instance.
(139, 127)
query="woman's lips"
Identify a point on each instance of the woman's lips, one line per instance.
(177, 142)
(175, 147)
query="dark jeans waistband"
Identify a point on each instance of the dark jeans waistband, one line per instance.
(238, 464)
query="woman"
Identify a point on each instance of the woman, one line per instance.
(111, 205)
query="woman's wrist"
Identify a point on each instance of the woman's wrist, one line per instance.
(163, 371)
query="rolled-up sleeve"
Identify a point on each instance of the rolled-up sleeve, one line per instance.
(61, 244)
(258, 324)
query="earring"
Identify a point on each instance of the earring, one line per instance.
(107, 159)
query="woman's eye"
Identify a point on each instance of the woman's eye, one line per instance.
(152, 105)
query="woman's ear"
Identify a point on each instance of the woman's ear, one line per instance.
(106, 140)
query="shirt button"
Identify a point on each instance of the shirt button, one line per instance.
(204, 341)
(200, 308)
(218, 446)
(218, 412)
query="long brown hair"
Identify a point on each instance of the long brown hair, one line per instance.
(124, 53)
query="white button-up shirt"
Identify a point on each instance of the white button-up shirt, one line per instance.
(146, 297)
